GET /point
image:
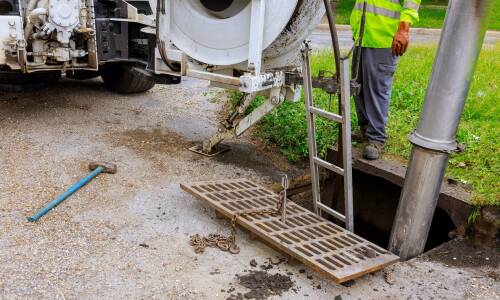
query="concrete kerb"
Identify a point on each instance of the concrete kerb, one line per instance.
(491, 34)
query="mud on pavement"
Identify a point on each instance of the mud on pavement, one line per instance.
(262, 284)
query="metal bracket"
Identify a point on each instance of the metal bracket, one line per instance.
(256, 36)
(276, 98)
(216, 139)
(216, 150)
(329, 85)
(256, 83)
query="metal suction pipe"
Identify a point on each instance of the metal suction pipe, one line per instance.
(435, 138)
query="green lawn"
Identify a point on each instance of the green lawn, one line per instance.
(479, 130)
(432, 13)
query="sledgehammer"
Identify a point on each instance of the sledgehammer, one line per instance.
(96, 168)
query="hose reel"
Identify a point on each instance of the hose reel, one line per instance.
(218, 32)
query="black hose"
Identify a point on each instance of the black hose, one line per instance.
(358, 45)
(160, 9)
(333, 33)
(338, 180)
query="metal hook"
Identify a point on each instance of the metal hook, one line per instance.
(285, 185)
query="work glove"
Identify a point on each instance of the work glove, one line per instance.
(401, 39)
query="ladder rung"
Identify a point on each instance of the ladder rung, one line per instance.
(329, 166)
(332, 212)
(326, 114)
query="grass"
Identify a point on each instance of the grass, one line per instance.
(432, 13)
(479, 129)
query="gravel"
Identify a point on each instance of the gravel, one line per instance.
(125, 236)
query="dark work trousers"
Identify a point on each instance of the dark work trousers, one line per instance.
(376, 70)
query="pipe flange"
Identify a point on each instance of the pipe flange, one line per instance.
(64, 13)
(434, 145)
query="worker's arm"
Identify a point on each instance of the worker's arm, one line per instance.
(409, 16)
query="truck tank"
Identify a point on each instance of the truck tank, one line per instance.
(135, 44)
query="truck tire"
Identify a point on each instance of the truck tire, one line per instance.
(14, 81)
(126, 78)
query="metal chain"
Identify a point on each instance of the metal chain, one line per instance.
(228, 243)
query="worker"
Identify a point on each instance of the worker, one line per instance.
(385, 38)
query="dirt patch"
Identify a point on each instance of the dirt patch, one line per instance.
(245, 155)
(262, 285)
(154, 145)
(148, 142)
(273, 153)
(459, 253)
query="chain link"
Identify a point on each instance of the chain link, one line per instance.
(228, 243)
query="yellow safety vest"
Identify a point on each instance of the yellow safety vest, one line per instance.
(382, 20)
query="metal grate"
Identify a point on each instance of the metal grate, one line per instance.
(320, 244)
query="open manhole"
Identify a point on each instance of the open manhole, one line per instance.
(377, 187)
(375, 205)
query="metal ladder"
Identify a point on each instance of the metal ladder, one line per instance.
(345, 120)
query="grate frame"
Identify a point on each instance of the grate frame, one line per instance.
(323, 246)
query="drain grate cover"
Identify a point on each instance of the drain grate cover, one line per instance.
(320, 244)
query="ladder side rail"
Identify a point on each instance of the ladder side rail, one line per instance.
(311, 130)
(345, 99)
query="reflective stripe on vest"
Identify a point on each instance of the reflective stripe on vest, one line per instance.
(411, 5)
(395, 1)
(378, 10)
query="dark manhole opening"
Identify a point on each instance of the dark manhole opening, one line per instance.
(375, 205)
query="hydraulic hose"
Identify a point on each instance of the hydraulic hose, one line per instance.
(160, 9)
(358, 45)
(33, 15)
(333, 32)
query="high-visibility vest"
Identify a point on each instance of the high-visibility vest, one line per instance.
(382, 20)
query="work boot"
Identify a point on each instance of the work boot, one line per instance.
(373, 150)
(359, 136)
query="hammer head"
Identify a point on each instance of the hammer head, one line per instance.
(108, 167)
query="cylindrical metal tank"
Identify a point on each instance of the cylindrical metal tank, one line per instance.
(217, 32)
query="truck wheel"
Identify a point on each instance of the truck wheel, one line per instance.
(13, 81)
(127, 79)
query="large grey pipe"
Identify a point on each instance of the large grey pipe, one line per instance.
(435, 137)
